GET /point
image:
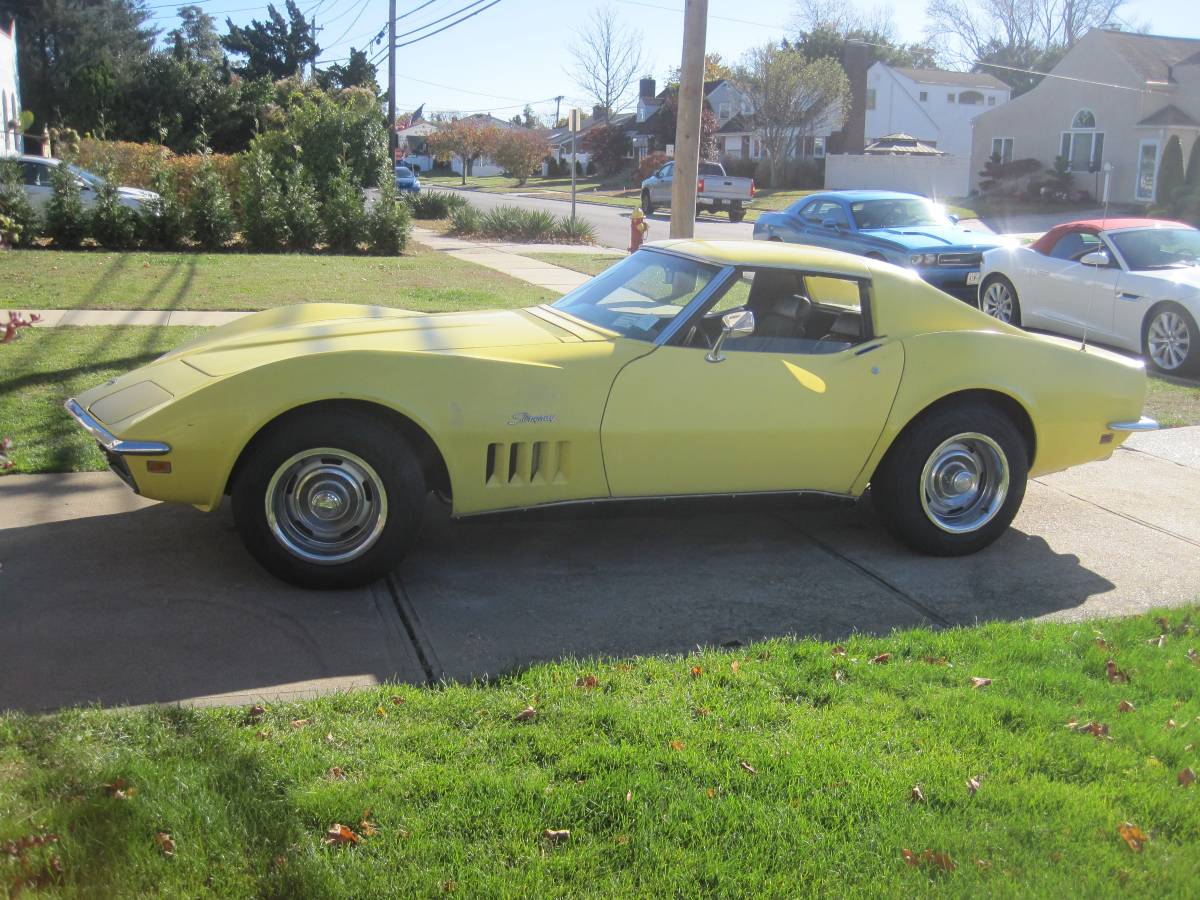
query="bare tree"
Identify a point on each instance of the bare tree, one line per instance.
(977, 28)
(791, 98)
(843, 17)
(608, 60)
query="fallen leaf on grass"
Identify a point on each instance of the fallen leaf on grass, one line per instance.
(1097, 730)
(1160, 641)
(677, 745)
(449, 887)
(749, 768)
(1101, 642)
(629, 796)
(1071, 723)
(119, 789)
(1125, 706)
(339, 835)
(734, 666)
(839, 650)
(398, 701)
(928, 858)
(336, 774)
(299, 723)
(936, 660)
(366, 827)
(1133, 836)
(1193, 657)
(165, 843)
(381, 712)
(710, 793)
(973, 784)
(701, 711)
(697, 671)
(255, 713)
(1115, 675)
(526, 715)
(1186, 777)
(916, 795)
(557, 835)
(586, 681)
(1170, 723)
(983, 864)
(839, 675)
(881, 659)
(262, 734)
(977, 682)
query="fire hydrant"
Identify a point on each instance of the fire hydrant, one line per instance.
(637, 228)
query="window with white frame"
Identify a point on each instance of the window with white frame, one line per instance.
(970, 98)
(870, 98)
(949, 98)
(1083, 145)
(819, 148)
(756, 149)
(724, 110)
(991, 101)
(1002, 148)
(1147, 170)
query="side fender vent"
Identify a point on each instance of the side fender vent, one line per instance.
(527, 463)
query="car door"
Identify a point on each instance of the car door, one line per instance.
(1075, 297)
(660, 190)
(776, 414)
(827, 225)
(36, 179)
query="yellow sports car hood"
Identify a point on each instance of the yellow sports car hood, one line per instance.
(314, 328)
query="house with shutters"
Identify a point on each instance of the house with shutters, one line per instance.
(1109, 107)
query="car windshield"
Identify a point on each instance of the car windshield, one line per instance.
(639, 296)
(901, 212)
(403, 172)
(711, 169)
(94, 180)
(1158, 248)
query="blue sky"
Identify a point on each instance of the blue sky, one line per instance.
(517, 51)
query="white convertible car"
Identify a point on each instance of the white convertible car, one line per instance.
(1131, 283)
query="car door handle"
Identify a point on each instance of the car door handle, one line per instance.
(1125, 295)
(867, 349)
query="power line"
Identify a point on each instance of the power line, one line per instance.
(451, 25)
(362, 9)
(442, 19)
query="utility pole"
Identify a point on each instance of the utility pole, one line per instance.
(687, 122)
(573, 122)
(392, 81)
(557, 107)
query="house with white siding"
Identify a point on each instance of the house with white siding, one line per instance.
(10, 91)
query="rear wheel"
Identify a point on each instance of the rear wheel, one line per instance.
(998, 298)
(1170, 341)
(329, 499)
(953, 481)
(736, 215)
(647, 206)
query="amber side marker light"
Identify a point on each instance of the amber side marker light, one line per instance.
(158, 467)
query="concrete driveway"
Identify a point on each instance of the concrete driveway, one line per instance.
(106, 597)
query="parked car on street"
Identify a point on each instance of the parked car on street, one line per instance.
(407, 180)
(689, 368)
(36, 172)
(904, 229)
(715, 191)
(1131, 283)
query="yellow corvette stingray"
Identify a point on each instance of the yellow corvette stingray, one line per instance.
(689, 368)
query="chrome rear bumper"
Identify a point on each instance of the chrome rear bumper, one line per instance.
(109, 441)
(1145, 423)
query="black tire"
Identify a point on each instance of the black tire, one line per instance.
(647, 206)
(1003, 288)
(898, 488)
(736, 215)
(1178, 322)
(355, 437)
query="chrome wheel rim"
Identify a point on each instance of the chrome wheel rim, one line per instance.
(998, 301)
(1168, 340)
(964, 483)
(326, 506)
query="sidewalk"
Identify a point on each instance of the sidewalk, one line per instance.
(506, 258)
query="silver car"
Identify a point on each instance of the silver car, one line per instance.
(36, 172)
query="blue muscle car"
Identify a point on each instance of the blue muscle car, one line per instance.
(904, 229)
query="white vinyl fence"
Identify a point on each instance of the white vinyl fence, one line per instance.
(932, 176)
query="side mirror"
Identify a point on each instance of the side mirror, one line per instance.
(1097, 258)
(831, 224)
(740, 321)
(953, 218)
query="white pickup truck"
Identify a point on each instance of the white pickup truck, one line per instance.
(715, 191)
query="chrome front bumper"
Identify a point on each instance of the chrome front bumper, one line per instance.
(1145, 423)
(109, 441)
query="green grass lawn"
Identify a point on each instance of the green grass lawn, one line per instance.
(587, 263)
(788, 768)
(45, 366)
(1173, 403)
(48, 279)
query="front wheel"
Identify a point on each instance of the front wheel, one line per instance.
(998, 298)
(329, 499)
(647, 206)
(953, 481)
(1170, 341)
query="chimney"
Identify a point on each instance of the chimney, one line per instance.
(646, 89)
(856, 59)
(599, 113)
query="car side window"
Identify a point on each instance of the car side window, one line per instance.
(810, 211)
(665, 171)
(34, 175)
(1074, 245)
(794, 313)
(833, 210)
